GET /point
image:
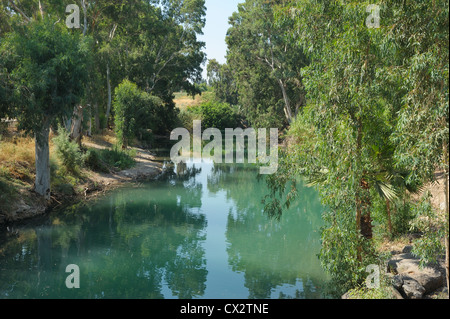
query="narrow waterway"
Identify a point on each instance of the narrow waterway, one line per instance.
(197, 232)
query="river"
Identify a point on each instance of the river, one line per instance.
(197, 232)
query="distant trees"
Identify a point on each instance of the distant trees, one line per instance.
(221, 79)
(266, 64)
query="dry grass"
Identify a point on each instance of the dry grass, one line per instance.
(17, 158)
(104, 140)
(183, 101)
(386, 245)
(17, 149)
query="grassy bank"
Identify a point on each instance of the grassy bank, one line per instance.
(75, 172)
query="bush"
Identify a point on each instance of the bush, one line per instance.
(362, 292)
(135, 112)
(117, 158)
(219, 115)
(106, 159)
(93, 161)
(68, 152)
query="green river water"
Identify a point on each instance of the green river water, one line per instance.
(197, 232)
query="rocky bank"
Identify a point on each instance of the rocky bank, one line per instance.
(410, 281)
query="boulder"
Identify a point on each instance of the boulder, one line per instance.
(407, 249)
(396, 294)
(408, 275)
(412, 289)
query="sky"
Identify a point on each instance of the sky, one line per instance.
(214, 33)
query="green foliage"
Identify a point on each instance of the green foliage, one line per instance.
(213, 114)
(433, 227)
(68, 152)
(46, 66)
(105, 160)
(92, 160)
(186, 117)
(265, 64)
(374, 121)
(219, 115)
(117, 158)
(134, 112)
(221, 79)
(384, 292)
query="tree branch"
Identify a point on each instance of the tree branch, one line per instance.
(19, 11)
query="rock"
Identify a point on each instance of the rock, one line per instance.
(407, 249)
(346, 295)
(440, 293)
(397, 282)
(408, 275)
(396, 294)
(431, 279)
(394, 263)
(412, 289)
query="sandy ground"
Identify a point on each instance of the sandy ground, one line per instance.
(146, 168)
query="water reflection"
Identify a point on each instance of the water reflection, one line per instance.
(197, 232)
(270, 253)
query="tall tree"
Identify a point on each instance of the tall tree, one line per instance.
(221, 78)
(377, 104)
(256, 43)
(422, 131)
(46, 66)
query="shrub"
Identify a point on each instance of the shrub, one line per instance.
(219, 115)
(93, 161)
(118, 158)
(135, 112)
(68, 151)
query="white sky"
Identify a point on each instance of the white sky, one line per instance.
(217, 14)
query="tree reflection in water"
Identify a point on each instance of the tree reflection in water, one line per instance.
(148, 241)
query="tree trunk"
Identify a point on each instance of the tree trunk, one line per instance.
(108, 107)
(89, 132)
(358, 226)
(287, 104)
(83, 5)
(96, 118)
(76, 127)
(445, 151)
(42, 158)
(358, 200)
(388, 208)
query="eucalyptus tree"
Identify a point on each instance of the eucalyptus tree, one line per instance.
(377, 108)
(256, 43)
(221, 78)
(152, 43)
(420, 29)
(345, 125)
(46, 67)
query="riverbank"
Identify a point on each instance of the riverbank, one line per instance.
(20, 202)
(403, 270)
